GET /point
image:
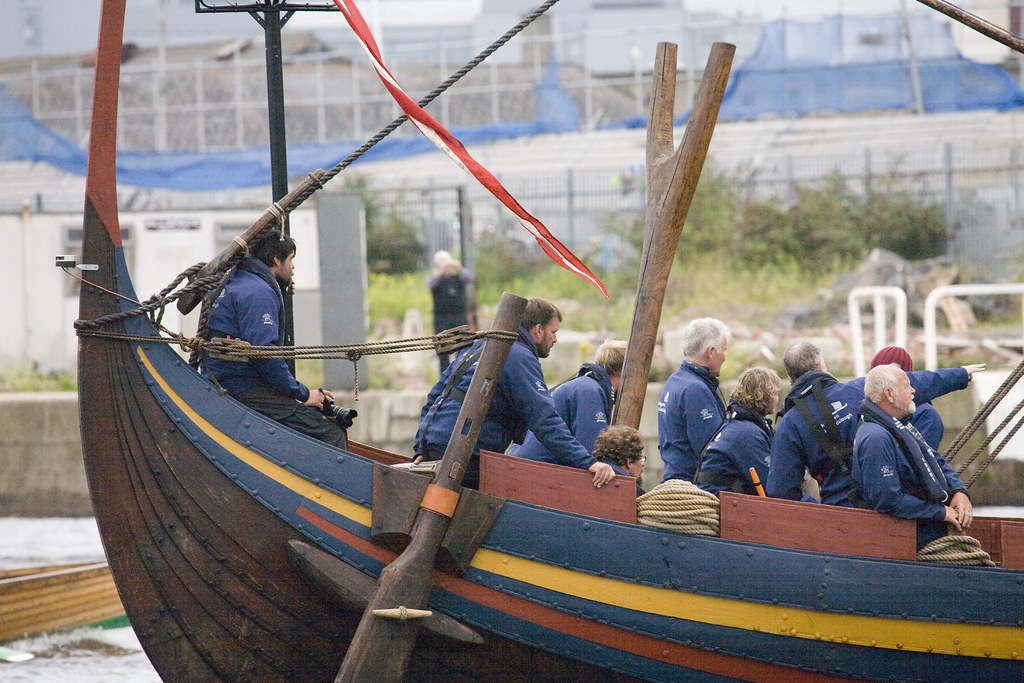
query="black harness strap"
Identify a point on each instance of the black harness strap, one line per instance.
(826, 433)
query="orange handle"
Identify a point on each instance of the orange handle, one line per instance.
(757, 482)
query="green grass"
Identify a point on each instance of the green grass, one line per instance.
(23, 377)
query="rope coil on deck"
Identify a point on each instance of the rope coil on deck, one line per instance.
(680, 506)
(956, 548)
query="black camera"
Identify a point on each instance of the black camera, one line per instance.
(344, 417)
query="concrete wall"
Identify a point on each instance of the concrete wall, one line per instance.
(41, 471)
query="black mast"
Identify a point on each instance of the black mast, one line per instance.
(272, 15)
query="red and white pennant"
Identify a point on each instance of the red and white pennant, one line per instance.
(451, 146)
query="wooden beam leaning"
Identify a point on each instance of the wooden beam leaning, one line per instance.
(671, 181)
(273, 215)
(381, 647)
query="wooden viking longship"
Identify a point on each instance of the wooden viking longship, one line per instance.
(243, 551)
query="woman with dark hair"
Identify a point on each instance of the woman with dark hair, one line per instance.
(745, 439)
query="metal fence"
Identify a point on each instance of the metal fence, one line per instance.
(979, 190)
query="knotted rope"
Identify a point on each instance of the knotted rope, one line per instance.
(155, 305)
(679, 506)
(956, 548)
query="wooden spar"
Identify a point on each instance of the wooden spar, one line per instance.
(985, 28)
(272, 216)
(671, 181)
(381, 647)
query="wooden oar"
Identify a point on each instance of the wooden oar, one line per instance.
(9, 655)
(671, 181)
(382, 645)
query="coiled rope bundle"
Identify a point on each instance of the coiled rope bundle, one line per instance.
(679, 506)
(956, 548)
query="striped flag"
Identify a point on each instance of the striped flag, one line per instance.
(448, 144)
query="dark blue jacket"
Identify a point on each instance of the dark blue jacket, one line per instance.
(250, 307)
(889, 483)
(928, 421)
(584, 403)
(795, 447)
(744, 441)
(521, 402)
(690, 411)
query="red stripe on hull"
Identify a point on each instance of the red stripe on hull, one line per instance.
(586, 629)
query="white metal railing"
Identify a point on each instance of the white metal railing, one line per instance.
(878, 295)
(931, 302)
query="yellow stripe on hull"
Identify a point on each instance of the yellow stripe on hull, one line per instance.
(1000, 642)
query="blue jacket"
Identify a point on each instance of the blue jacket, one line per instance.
(795, 447)
(930, 386)
(690, 411)
(521, 402)
(744, 441)
(584, 403)
(928, 421)
(889, 483)
(250, 307)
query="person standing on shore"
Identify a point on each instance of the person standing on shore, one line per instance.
(453, 290)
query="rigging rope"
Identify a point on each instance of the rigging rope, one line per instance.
(680, 506)
(967, 432)
(430, 97)
(995, 451)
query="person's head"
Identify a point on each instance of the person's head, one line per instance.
(893, 354)
(611, 355)
(888, 387)
(757, 389)
(801, 358)
(542, 319)
(705, 341)
(623, 446)
(276, 251)
(445, 263)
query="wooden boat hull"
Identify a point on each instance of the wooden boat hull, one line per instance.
(41, 599)
(197, 500)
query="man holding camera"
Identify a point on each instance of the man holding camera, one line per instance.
(249, 305)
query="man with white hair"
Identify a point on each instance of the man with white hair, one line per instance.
(895, 470)
(691, 407)
(819, 418)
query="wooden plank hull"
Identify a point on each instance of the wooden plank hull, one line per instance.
(197, 499)
(45, 599)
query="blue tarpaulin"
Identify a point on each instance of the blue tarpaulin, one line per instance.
(22, 138)
(838, 65)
